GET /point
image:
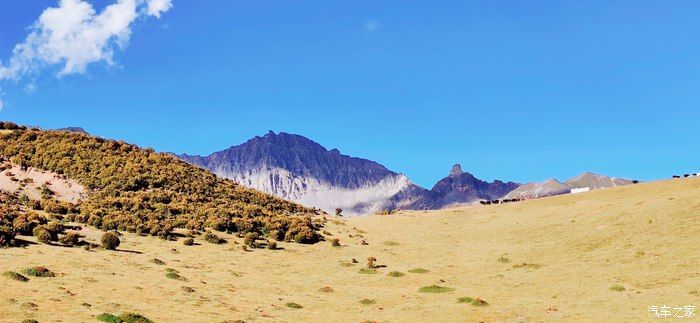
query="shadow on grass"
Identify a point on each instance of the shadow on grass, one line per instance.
(129, 251)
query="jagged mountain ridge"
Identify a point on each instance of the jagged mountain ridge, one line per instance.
(298, 169)
(553, 187)
(460, 187)
(301, 170)
(299, 156)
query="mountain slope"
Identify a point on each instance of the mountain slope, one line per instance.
(462, 188)
(299, 169)
(562, 254)
(595, 181)
(138, 189)
(553, 187)
(536, 190)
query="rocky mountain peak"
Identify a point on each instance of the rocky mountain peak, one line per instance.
(456, 170)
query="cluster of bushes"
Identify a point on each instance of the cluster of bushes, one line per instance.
(16, 220)
(9, 210)
(138, 190)
(124, 318)
(5, 125)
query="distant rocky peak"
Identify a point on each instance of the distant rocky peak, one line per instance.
(456, 171)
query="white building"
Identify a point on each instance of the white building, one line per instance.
(580, 190)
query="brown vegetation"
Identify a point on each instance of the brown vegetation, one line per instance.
(139, 190)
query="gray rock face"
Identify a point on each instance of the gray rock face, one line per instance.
(595, 181)
(552, 187)
(463, 188)
(298, 169)
(299, 156)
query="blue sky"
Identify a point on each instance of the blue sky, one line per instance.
(512, 90)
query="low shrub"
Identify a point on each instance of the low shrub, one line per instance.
(478, 302)
(124, 318)
(42, 234)
(367, 301)
(293, 305)
(465, 300)
(134, 318)
(618, 288)
(301, 230)
(212, 238)
(335, 242)
(109, 318)
(528, 266)
(326, 289)
(396, 274)
(391, 243)
(71, 238)
(173, 274)
(435, 289)
(188, 242)
(503, 259)
(249, 239)
(418, 271)
(110, 241)
(367, 271)
(39, 272)
(272, 245)
(157, 261)
(371, 261)
(15, 276)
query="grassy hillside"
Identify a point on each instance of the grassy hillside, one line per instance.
(139, 190)
(601, 256)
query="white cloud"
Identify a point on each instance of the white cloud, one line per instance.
(156, 7)
(30, 88)
(372, 25)
(73, 35)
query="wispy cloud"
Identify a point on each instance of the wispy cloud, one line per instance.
(73, 35)
(372, 26)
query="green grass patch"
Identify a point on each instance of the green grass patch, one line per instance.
(465, 300)
(109, 318)
(367, 271)
(503, 259)
(618, 288)
(293, 305)
(396, 274)
(478, 302)
(368, 301)
(528, 266)
(124, 318)
(157, 261)
(435, 289)
(134, 318)
(391, 243)
(174, 275)
(15, 276)
(38, 272)
(419, 271)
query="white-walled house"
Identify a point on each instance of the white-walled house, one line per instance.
(580, 190)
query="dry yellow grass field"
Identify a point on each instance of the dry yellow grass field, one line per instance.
(552, 259)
